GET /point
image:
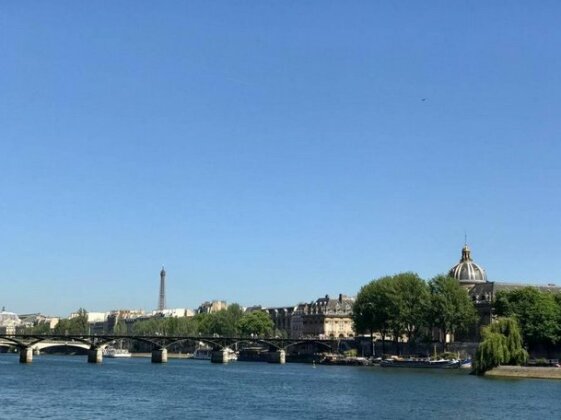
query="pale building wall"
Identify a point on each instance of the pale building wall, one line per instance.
(92, 316)
(176, 313)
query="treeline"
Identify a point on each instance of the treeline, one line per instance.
(76, 325)
(232, 321)
(528, 319)
(404, 305)
(538, 314)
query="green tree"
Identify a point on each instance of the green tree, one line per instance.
(451, 309)
(76, 325)
(149, 327)
(557, 298)
(120, 327)
(374, 308)
(207, 323)
(80, 323)
(257, 323)
(184, 326)
(170, 326)
(215, 323)
(229, 320)
(501, 344)
(412, 298)
(40, 328)
(538, 314)
(187, 326)
(396, 304)
(224, 322)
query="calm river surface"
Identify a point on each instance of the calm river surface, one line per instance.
(68, 387)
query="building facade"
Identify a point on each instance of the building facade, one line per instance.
(282, 319)
(9, 321)
(211, 307)
(323, 318)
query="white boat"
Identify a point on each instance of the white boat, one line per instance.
(421, 363)
(203, 352)
(116, 353)
(232, 355)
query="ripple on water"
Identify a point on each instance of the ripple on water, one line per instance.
(67, 387)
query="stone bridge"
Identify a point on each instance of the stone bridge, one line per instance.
(28, 343)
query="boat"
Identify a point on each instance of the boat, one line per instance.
(232, 355)
(339, 359)
(204, 352)
(421, 363)
(113, 352)
(465, 364)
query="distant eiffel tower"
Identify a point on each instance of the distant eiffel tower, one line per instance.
(162, 301)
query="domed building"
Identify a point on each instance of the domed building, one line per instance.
(9, 321)
(473, 278)
(482, 291)
(467, 272)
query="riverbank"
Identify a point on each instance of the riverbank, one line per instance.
(525, 372)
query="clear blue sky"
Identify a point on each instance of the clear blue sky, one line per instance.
(270, 152)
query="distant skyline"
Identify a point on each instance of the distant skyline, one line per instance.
(272, 152)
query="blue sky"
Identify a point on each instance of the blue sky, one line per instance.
(272, 151)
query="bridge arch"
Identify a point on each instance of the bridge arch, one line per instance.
(319, 343)
(59, 338)
(108, 340)
(47, 345)
(248, 341)
(212, 343)
(15, 342)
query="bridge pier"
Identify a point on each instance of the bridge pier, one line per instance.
(160, 356)
(219, 356)
(277, 356)
(95, 355)
(26, 355)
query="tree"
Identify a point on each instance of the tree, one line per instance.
(501, 344)
(80, 323)
(187, 326)
(230, 318)
(153, 326)
(375, 308)
(451, 309)
(411, 304)
(538, 314)
(120, 327)
(256, 323)
(396, 304)
(40, 328)
(75, 325)
(223, 322)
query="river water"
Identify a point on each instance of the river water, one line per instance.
(66, 387)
